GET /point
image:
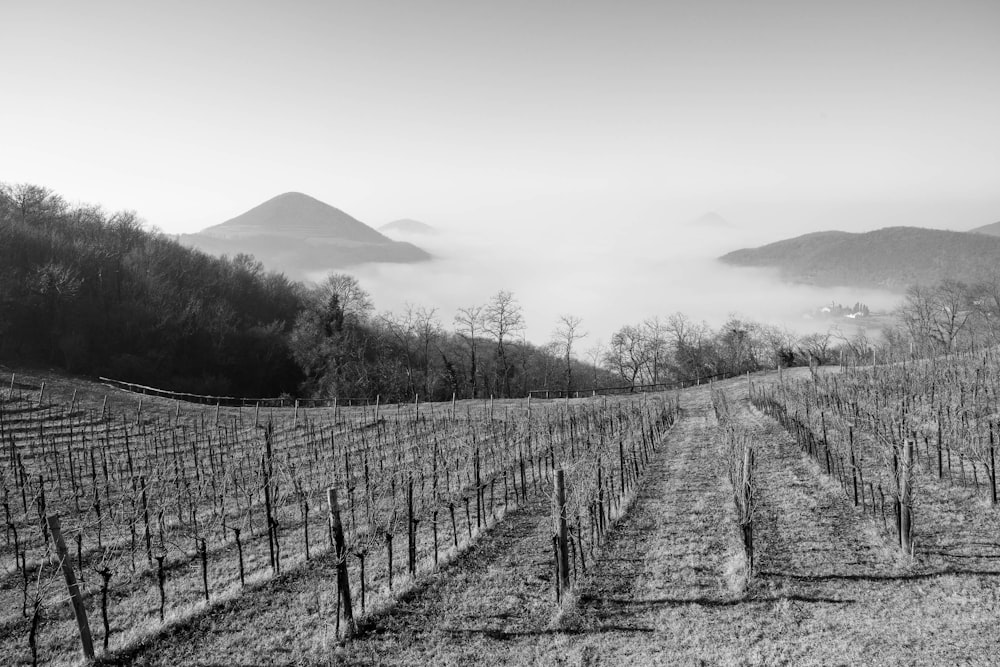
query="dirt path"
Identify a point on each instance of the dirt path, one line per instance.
(829, 590)
(807, 528)
(658, 590)
(667, 550)
(835, 590)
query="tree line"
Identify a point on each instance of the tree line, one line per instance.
(947, 317)
(94, 292)
(99, 293)
(347, 349)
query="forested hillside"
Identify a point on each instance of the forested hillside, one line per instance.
(893, 258)
(94, 292)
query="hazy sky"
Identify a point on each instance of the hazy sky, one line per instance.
(554, 117)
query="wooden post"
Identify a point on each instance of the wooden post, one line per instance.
(905, 500)
(74, 589)
(746, 493)
(854, 465)
(562, 541)
(411, 545)
(10, 394)
(343, 582)
(993, 477)
(203, 553)
(993, 470)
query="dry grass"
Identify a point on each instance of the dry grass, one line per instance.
(670, 586)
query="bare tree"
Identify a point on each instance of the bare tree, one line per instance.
(566, 333)
(936, 316)
(654, 332)
(427, 327)
(626, 354)
(816, 346)
(401, 328)
(354, 301)
(549, 352)
(774, 346)
(34, 202)
(469, 325)
(690, 343)
(857, 347)
(953, 311)
(503, 319)
(595, 355)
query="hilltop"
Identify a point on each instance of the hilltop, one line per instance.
(892, 258)
(992, 229)
(711, 220)
(299, 234)
(409, 227)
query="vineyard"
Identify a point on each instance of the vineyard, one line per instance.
(161, 513)
(896, 436)
(832, 515)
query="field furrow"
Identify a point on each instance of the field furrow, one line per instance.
(672, 547)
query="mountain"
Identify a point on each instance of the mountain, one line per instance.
(408, 227)
(298, 234)
(992, 230)
(711, 220)
(892, 258)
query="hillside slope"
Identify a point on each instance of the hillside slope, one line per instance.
(992, 229)
(891, 258)
(299, 234)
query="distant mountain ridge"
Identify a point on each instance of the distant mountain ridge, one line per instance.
(299, 234)
(408, 226)
(992, 229)
(297, 215)
(892, 258)
(711, 220)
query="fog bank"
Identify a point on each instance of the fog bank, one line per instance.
(609, 281)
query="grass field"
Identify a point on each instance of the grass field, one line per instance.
(666, 585)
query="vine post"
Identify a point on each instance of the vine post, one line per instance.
(562, 535)
(343, 582)
(76, 598)
(906, 497)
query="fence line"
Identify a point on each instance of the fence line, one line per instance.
(283, 402)
(632, 389)
(234, 401)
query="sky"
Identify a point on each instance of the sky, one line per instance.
(537, 120)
